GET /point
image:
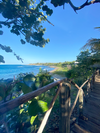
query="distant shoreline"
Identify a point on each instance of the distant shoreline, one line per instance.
(55, 68)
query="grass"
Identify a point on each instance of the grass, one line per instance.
(61, 71)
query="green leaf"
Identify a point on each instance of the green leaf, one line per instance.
(25, 88)
(21, 111)
(37, 106)
(44, 8)
(49, 12)
(0, 26)
(1, 32)
(48, 40)
(29, 80)
(41, 96)
(29, 77)
(22, 41)
(13, 97)
(2, 90)
(32, 119)
(0, 98)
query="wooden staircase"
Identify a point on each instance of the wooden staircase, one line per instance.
(90, 121)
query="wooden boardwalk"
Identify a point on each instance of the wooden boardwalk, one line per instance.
(88, 118)
(90, 122)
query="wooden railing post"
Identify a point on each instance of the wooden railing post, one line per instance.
(92, 82)
(64, 99)
(88, 88)
(80, 103)
(98, 71)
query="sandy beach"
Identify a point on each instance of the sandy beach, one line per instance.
(55, 68)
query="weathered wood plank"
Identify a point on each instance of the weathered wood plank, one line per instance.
(92, 108)
(94, 103)
(95, 118)
(81, 103)
(77, 129)
(64, 99)
(72, 121)
(95, 95)
(89, 126)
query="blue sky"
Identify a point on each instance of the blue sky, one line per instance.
(70, 32)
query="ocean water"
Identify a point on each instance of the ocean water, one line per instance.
(9, 71)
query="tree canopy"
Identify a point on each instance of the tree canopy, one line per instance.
(26, 16)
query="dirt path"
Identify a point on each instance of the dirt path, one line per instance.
(55, 76)
(55, 68)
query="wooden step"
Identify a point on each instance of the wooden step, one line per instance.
(89, 126)
(95, 118)
(92, 108)
(95, 95)
(77, 129)
(96, 86)
(96, 83)
(93, 101)
(97, 77)
(96, 92)
(97, 80)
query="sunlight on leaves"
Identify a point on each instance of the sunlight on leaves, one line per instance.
(32, 119)
(37, 106)
(21, 111)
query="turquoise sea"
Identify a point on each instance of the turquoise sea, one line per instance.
(9, 71)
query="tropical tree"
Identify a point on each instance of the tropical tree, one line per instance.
(84, 68)
(93, 45)
(26, 16)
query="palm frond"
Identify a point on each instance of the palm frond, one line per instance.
(92, 44)
(97, 28)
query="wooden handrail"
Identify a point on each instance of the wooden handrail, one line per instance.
(7, 106)
(76, 99)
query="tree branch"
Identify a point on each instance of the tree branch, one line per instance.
(21, 32)
(83, 5)
(7, 23)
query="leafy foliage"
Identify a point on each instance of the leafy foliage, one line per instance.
(84, 67)
(32, 119)
(26, 16)
(2, 59)
(37, 106)
(93, 45)
(5, 88)
(1, 32)
(8, 49)
(29, 113)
